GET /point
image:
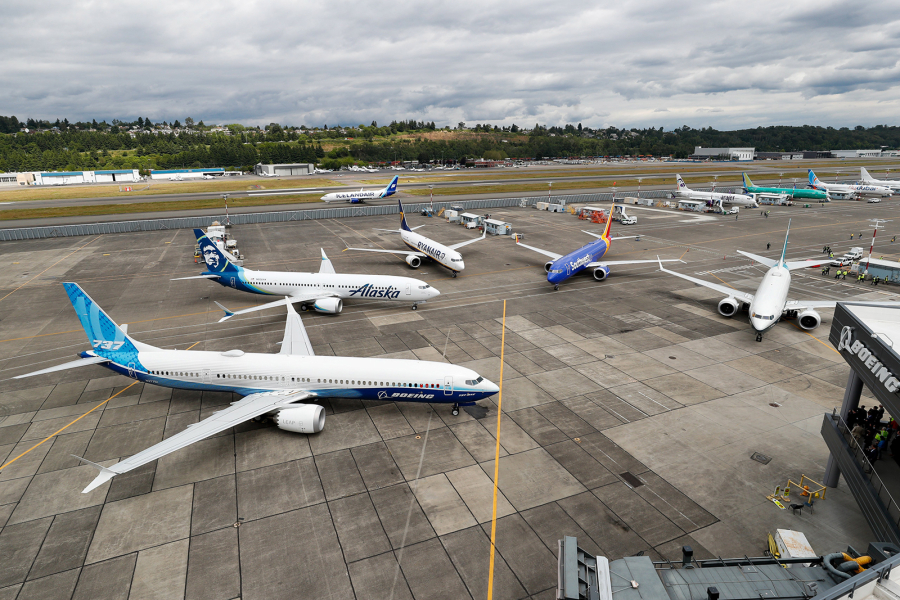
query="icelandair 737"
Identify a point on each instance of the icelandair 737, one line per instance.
(363, 195)
(587, 257)
(324, 291)
(273, 386)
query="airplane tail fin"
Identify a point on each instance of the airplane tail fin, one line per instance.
(681, 185)
(608, 225)
(747, 183)
(216, 261)
(391, 189)
(786, 236)
(864, 175)
(403, 224)
(108, 339)
(813, 180)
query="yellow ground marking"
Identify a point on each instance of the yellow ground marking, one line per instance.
(497, 460)
(58, 431)
(192, 345)
(829, 346)
(48, 268)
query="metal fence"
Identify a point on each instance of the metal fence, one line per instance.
(31, 233)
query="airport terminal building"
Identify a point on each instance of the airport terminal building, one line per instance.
(701, 153)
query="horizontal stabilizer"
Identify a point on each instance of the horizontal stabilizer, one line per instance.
(104, 476)
(209, 276)
(760, 259)
(81, 362)
(805, 264)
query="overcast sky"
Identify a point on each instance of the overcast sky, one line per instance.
(626, 63)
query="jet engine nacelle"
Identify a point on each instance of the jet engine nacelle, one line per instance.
(413, 260)
(548, 265)
(728, 307)
(304, 418)
(331, 306)
(601, 273)
(809, 319)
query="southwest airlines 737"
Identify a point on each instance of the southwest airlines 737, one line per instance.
(324, 291)
(271, 385)
(422, 247)
(770, 302)
(363, 195)
(587, 257)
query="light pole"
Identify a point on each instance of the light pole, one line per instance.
(431, 194)
(549, 186)
(715, 182)
(878, 225)
(640, 179)
(227, 218)
(780, 177)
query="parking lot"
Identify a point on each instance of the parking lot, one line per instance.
(631, 411)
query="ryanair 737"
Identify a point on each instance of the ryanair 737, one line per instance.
(276, 386)
(362, 195)
(324, 291)
(587, 257)
(422, 247)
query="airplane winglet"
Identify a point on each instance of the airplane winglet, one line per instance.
(105, 475)
(228, 313)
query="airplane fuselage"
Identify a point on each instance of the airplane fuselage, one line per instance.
(796, 193)
(733, 199)
(441, 254)
(854, 190)
(768, 303)
(342, 285)
(326, 376)
(577, 261)
(892, 185)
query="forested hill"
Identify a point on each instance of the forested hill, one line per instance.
(145, 145)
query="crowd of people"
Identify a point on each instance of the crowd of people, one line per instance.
(877, 439)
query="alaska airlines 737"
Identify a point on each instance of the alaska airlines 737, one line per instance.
(422, 247)
(587, 257)
(324, 291)
(271, 385)
(362, 195)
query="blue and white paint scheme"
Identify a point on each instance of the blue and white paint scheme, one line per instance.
(425, 248)
(324, 291)
(588, 256)
(770, 302)
(841, 190)
(363, 195)
(274, 386)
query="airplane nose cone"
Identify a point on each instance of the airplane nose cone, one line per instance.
(490, 386)
(460, 266)
(435, 293)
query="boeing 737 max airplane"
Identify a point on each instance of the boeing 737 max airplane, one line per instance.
(422, 247)
(770, 302)
(272, 385)
(867, 179)
(362, 195)
(588, 256)
(848, 190)
(714, 197)
(324, 291)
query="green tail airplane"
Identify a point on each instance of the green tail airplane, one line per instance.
(795, 193)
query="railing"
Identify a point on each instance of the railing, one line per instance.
(891, 508)
(880, 571)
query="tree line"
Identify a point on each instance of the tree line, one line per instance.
(142, 144)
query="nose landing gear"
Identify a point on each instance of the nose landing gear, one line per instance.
(453, 274)
(415, 306)
(758, 337)
(455, 410)
(556, 287)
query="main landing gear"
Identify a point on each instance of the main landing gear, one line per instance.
(455, 410)
(758, 337)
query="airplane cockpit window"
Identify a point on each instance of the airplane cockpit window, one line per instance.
(474, 381)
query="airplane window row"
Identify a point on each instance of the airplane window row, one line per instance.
(309, 380)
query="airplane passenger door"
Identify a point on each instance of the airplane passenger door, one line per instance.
(448, 385)
(205, 378)
(408, 289)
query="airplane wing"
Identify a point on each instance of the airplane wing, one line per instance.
(629, 262)
(243, 410)
(467, 242)
(326, 266)
(801, 304)
(208, 276)
(298, 297)
(412, 252)
(81, 362)
(731, 292)
(295, 341)
(547, 253)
